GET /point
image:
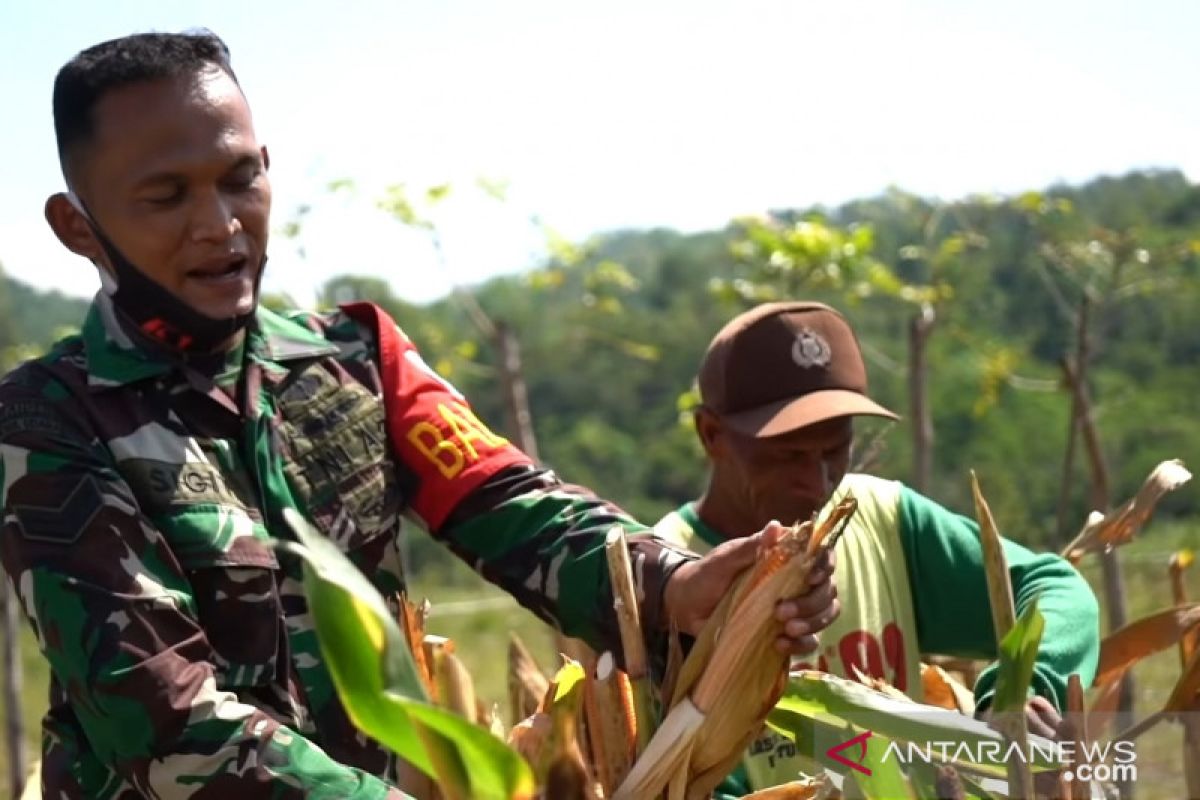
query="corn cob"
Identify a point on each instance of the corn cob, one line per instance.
(734, 675)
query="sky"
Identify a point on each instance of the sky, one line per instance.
(623, 114)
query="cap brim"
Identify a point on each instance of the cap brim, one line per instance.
(788, 415)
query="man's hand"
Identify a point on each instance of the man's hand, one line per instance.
(1041, 718)
(695, 589)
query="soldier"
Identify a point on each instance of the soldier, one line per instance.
(780, 386)
(147, 461)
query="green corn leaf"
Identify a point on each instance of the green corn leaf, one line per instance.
(817, 708)
(1018, 652)
(375, 677)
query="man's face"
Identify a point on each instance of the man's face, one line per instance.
(175, 177)
(786, 477)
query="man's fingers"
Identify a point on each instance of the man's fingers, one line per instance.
(731, 557)
(806, 605)
(811, 624)
(822, 568)
(1043, 717)
(797, 647)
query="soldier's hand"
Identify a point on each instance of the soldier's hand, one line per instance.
(697, 587)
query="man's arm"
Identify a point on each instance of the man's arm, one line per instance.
(950, 598)
(523, 529)
(543, 541)
(115, 617)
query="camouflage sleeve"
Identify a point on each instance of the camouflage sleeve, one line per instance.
(115, 617)
(522, 528)
(543, 541)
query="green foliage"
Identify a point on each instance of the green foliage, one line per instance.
(377, 681)
(819, 712)
(612, 393)
(1018, 652)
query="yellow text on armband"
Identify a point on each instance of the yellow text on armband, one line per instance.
(453, 449)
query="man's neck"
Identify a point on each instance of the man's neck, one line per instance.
(719, 513)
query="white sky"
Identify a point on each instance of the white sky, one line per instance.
(626, 114)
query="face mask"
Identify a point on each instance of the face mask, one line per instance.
(156, 312)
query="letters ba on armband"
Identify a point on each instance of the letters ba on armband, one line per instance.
(453, 438)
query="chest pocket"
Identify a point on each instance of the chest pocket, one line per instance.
(233, 575)
(337, 458)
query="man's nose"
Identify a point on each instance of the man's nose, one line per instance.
(812, 474)
(214, 218)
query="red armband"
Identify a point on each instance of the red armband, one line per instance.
(430, 424)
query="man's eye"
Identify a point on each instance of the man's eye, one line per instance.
(243, 178)
(165, 198)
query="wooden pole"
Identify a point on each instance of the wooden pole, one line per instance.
(14, 723)
(1100, 499)
(1064, 489)
(918, 371)
(516, 396)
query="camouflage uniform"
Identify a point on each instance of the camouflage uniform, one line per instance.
(138, 500)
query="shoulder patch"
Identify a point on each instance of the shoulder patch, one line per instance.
(62, 524)
(29, 416)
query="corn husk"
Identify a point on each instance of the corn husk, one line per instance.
(454, 688)
(733, 675)
(611, 723)
(527, 684)
(633, 642)
(1118, 527)
(817, 788)
(940, 688)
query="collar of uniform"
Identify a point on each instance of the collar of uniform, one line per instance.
(277, 339)
(687, 512)
(115, 359)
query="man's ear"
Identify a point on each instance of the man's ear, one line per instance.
(72, 228)
(710, 431)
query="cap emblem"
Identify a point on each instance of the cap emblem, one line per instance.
(810, 349)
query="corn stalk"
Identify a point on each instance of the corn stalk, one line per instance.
(1011, 722)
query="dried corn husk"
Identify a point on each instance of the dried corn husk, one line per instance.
(529, 735)
(611, 728)
(1105, 531)
(940, 688)
(412, 623)
(733, 675)
(633, 643)
(455, 689)
(819, 788)
(527, 685)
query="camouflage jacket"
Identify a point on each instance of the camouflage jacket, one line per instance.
(138, 498)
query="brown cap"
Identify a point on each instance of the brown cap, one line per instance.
(782, 366)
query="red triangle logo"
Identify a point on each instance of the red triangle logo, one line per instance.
(835, 753)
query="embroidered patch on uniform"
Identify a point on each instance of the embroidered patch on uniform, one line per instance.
(810, 349)
(28, 416)
(65, 523)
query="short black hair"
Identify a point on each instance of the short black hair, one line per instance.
(119, 62)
